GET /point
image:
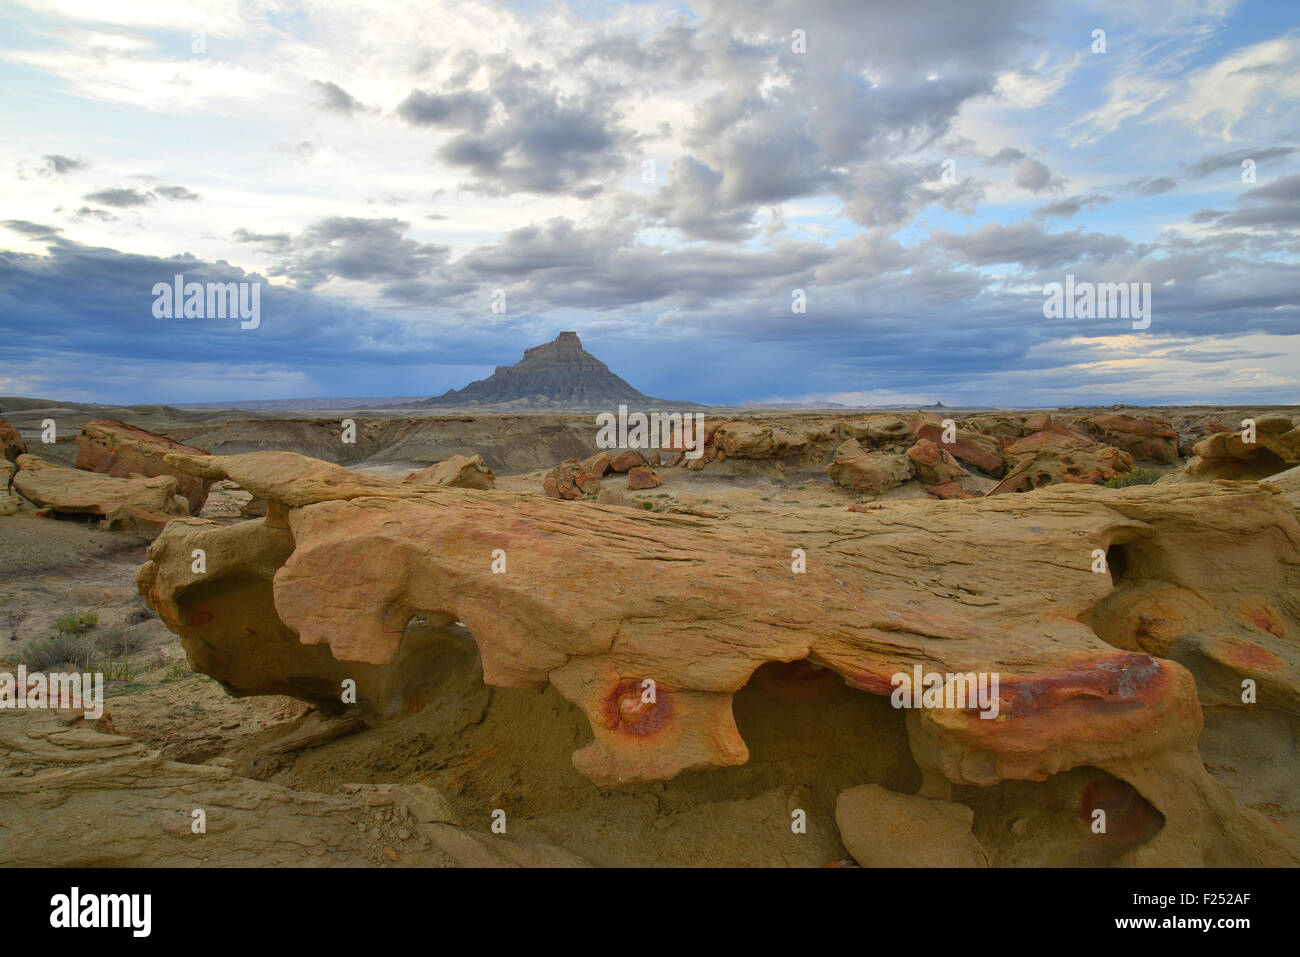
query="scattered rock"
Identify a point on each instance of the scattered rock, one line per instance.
(871, 472)
(569, 481)
(120, 450)
(643, 477)
(883, 828)
(459, 471)
(137, 502)
(11, 443)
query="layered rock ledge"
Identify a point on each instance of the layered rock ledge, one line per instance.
(1096, 669)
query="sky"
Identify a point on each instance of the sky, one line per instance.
(423, 190)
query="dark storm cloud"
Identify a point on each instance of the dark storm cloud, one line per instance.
(59, 165)
(892, 194)
(346, 247)
(121, 198)
(1029, 245)
(1156, 186)
(1069, 207)
(335, 99)
(523, 135)
(785, 125)
(86, 212)
(177, 193)
(1233, 160)
(465, 109)
(1274, 205)
(34, 230)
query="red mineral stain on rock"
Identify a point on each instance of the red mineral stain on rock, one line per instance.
(1244, 655)
(1265, 620)
(198, 617)
(626, 710)
(1122, 679)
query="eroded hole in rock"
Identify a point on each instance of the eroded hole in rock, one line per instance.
(1117, 561)
(804, 726)
(1051, 823)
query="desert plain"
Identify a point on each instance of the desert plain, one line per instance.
(562, 655)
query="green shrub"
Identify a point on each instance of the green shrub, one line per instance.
(1136, 477)
(178, 670)
(116, 669)
(117, 642)
(76, 623)
(40, 654)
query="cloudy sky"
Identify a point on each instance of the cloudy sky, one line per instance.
(661, 178)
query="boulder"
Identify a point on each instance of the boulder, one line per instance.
(1090, 464)
(858, 470)
(643, 477)
(626, 461)
(459, 471)
(1147, 439)
(933, 464)
(978, 451)
(8, 504)
(11, 443)
(569, 481)
(753, 440)
(115, 448)
(1227, 455)
(598, 465)
(883, 828)
(136, 502)
(947, 490)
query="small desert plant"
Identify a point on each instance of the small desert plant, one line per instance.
(14, 618)
(140, 613)
(1136, 477)
(117, 641)
(116, 669)
(39, 654)
(75, 623)
(648, 506)
(178, 670)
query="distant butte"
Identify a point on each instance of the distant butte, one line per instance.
(553, 377)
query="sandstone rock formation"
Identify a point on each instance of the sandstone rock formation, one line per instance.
(569, 480)
(1227, 455)
(1146, 439)
(115, 448)
(459, 471)
(122, 502)
(858, 470)
(934, 465)
(598, 601)
(11, 443)
(8, 504)
(1065, 462)
(979, 451)
(643, 477)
